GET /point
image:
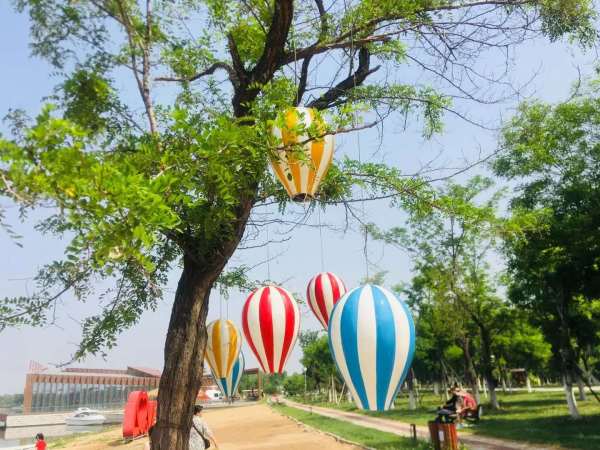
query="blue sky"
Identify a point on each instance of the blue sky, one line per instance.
(25, 81)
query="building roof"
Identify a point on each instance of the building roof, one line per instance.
(130, 372)
(145, 371)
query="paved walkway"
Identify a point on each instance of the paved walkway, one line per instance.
(403, 429)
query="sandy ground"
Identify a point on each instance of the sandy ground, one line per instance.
(246, 427)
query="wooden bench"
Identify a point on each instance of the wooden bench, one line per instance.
(474, 415)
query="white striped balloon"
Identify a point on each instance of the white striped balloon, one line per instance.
(372, 340)
(323, 292)
(222, 346)
(229, 385)
(301, 176)
(270, 320)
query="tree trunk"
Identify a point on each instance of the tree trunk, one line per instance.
(436, 388)
(581, 389)
(186, 336)
(571, 403)
(486, 362)
(529, 385)
(184, 356)
(412, 398)
(567, 354)
(470, 374)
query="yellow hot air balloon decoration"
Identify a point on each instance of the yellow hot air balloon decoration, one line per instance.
(301, 176)
(222, 347)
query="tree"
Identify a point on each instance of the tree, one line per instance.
(293, 385)
(317, 359)
(453, 287)
(135, 195)
(552, 153)
(273, 383)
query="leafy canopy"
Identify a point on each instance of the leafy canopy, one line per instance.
(138, 185)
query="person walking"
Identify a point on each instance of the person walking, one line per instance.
(200, 435)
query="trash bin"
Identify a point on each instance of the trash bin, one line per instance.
(443, 436)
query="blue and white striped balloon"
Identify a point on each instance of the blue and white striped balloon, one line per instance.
(229, 385)
(372, 340)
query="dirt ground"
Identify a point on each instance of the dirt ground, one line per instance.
(244, 427)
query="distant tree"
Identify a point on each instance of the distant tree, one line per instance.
(317, 359)
(449, 246)
(248, 382)
(552, 154)
(273, 384)
(293, 385)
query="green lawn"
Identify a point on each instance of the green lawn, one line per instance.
(361, 435)
(536, 417)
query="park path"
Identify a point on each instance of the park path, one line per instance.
(252, 427)
(404, 429)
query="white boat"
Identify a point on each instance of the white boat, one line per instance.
(85, 416)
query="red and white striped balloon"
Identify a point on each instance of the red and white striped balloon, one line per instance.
(323, 292)
(271, 320)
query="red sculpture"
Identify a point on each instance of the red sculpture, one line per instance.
(140, 415)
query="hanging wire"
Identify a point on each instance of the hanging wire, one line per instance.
(268, 254)
(366, 232)
(220, 305)
(362, 193)
(321, 239)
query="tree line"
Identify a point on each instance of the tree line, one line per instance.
(506, 278)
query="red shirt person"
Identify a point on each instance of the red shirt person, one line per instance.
(468, 401)
(40, 443)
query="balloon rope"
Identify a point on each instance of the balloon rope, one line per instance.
(268, 255)
(362, 194)
(321, 239)
(220, 305)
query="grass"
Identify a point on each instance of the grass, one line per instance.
(360, 435)
(539, 417)
(66, 441)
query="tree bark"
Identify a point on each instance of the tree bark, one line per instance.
(412, 397)
(581, 388)
(486, 362)
(571, 403)
(470, 374)
(184, 356)
(567, 354)
(186, 340)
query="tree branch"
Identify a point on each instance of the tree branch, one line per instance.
(303, 80)
(356, 79)
(142, 83)
(269, 62)
(212, 69)
(323, 18)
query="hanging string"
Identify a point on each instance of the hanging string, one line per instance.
(268, 254)
(362, 193)
(366, 232)
(321, 239)
(220, 305)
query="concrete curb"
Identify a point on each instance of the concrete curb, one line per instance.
(327, 433)
(474, 442)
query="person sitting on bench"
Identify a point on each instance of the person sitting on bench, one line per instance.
(467, 405)
(447, 413)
